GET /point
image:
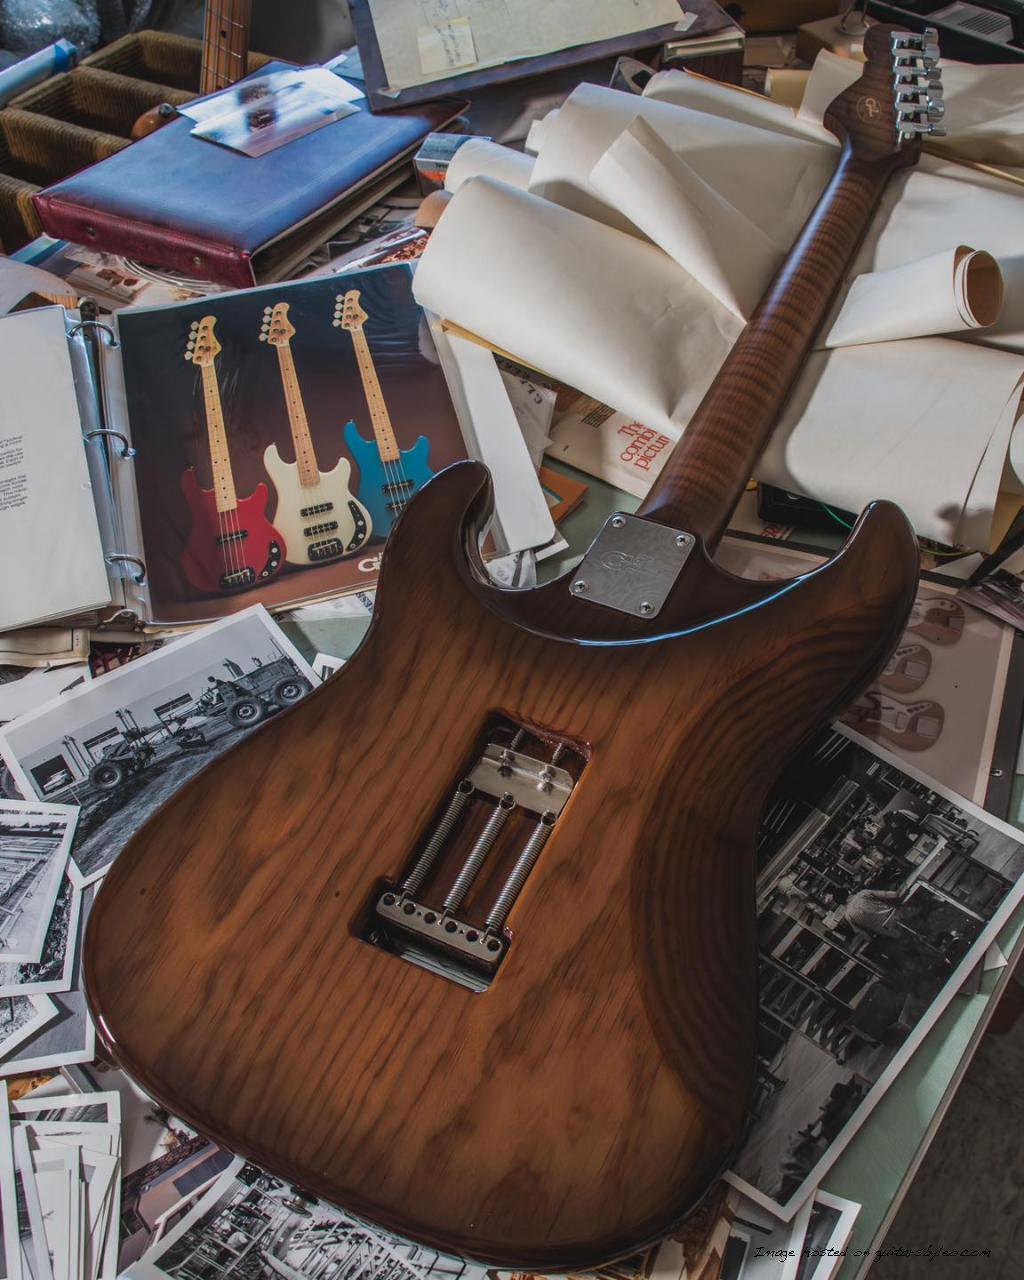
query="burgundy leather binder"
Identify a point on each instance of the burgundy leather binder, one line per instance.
(201, 210)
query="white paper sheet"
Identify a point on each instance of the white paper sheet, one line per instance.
(480, 155)
(921, 416)
(635, 332)
(474, 382)
(425, 40)
(790, 171)
(984, 118)
(658, 191)
(957, 289)
(46, 501)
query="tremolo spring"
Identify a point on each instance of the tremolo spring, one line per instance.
(506, 781)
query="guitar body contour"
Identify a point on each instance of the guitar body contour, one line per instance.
(385, 488)
(577, 1108)
(229, 551)
(318, 522)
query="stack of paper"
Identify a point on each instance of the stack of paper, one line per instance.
(60, 1165)
(687, 199)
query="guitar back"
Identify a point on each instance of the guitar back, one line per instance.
(465, 942)
(575, 1108)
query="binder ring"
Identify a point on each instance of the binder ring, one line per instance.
(95, 324)
(127, 451)
(139, 577)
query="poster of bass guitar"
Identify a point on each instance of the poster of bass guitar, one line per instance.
(279, 433)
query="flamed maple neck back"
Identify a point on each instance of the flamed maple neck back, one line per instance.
(878, 121)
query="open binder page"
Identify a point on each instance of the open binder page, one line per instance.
(55, 565)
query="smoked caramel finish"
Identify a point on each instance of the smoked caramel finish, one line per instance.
(576, 1109)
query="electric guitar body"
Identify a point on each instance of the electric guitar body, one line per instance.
(386, 487)
(316, 512)
(389, 476)
(319, 523)
(229, 551)
(465, 942)
(232, 545)
(574, 1109)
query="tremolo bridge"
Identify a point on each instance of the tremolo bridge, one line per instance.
(449, 910)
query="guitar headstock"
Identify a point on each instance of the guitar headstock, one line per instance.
(203, 347)
(277, 329)
(348, 314)
(896, 101)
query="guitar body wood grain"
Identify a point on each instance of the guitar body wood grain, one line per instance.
(577, 1108)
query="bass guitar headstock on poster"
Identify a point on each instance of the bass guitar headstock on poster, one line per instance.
(896, 102)
(203, 347)
(277, 329)
(348, 314)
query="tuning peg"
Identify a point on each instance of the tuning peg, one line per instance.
(936, 131)
(336, 323)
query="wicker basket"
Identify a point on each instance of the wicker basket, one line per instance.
(35, 151)
(160, 58)
(96, 99)
(154, 56)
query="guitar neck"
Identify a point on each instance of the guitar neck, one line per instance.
(701, 483)
(225, 43)
(387, 445)
(223, 481)
(305, 454)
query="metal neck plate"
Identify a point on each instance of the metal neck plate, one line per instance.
(632, 565)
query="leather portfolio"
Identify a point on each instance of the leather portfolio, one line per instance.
(201, 210)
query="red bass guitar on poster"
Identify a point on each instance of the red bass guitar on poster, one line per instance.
(233, 545)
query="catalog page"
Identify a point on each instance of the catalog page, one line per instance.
(280, 433)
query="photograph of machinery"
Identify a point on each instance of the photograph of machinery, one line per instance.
(876, 891)
(120, 745)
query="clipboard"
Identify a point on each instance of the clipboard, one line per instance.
(710, 18)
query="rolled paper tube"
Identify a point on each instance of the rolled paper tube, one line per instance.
(949, 292)
(481, 156)
(681, 213)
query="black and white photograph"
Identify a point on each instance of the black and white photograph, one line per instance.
(165, 1164)
(89, 1128)
(54, 969)
(123, 744)
(939, 701)
(1001, 591)
(67, 1035)
(35, 842)
(878, 892)
(22, 1019)
(828, 1233)
(760, 1246)
(253, 1226)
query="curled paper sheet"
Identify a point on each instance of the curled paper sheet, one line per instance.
(684, 89)
(771, 178)
(600, 310)
(926, 423)
(676, 209)
(961, 288)
(984, 118)
(480, 155)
